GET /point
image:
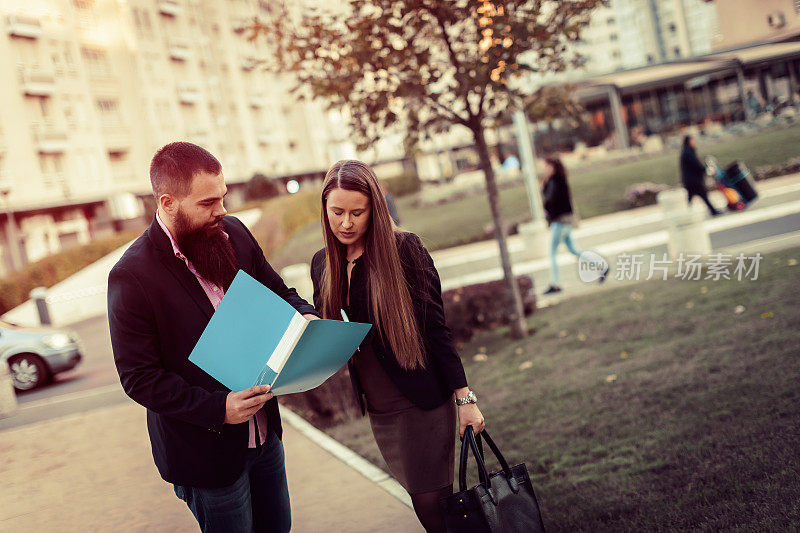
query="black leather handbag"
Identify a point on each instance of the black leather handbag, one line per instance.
(503, 502)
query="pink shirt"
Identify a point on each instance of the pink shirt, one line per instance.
(215, 294)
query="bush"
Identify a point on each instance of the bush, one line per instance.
(404, 184)
(641, 194)
(261, 187)
(792, 166)
(330, 404)
(475, 307)
(283, 216)
(15, 289)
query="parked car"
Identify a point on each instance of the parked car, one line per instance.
(36, 354)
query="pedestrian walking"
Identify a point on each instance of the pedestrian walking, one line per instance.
(220, 449)
(406, 375)
(693, 174)
(560, 216)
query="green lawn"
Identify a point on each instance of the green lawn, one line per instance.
(596, 190)
(695, 427)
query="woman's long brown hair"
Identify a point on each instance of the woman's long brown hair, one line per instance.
(389, 291)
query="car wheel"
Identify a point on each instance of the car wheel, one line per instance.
(28, 371)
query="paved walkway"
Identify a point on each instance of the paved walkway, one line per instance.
(94, 472)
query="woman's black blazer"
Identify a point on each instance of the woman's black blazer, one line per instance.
(433, 385)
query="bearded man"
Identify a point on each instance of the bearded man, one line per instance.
(220, 449)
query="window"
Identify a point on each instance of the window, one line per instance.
(677, 51)
(672, 27)
(613, 37)
(616, 54)
(612, 20)
(96, 61)
(109, 112)
(650, 59)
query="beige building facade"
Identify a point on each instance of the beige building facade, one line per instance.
(94, 87)
(744, 22)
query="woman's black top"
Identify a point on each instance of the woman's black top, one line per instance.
(556, 197)
(693, 171)
(428, 387)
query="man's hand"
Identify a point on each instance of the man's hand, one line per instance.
(241, 406)
(309, 316)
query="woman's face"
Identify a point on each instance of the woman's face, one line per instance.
(548, 170)
(348, 215)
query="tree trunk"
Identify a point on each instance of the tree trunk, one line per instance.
(519, 327)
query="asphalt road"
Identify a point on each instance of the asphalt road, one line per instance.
(94, 383)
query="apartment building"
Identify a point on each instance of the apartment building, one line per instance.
(94, 87)
(634, 33)
(744, 22)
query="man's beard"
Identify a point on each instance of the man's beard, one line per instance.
(208, 249)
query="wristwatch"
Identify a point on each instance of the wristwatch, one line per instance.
(469, 398)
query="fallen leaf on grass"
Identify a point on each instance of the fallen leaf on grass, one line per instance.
(689, 305)
(611, 378)
(519, 351)
(481, 357)
(624, 355)
(526, 365)
(562, 333)
(792, 262)
(767, 315)
(703, 289)
(636, 296)
(738, 310)
(581, 337)
(482, 349)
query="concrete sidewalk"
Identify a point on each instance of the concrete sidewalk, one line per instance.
(634, 230)
(94, 472)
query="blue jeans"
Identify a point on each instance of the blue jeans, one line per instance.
(257, 501)
(560, 232)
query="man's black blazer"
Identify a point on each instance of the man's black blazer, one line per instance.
(157, 311)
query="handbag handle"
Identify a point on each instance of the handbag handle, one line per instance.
(473, 441)
(496, 451)
(468, 441)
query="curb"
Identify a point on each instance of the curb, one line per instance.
(346, 455)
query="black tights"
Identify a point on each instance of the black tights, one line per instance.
(426, 505)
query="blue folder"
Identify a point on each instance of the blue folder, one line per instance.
(255, 337)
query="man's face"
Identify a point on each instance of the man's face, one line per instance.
(203, 207)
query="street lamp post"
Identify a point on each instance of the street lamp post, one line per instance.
(534, 233)
(11, 230)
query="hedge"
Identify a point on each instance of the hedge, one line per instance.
(15, 289)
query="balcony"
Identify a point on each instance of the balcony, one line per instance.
(37, 81)
(199, 137)
(257, 100)
(179, 50)
(266, 137)
(249, 63)
(49, 138)
(170, 8)
(242, 24)
(116, 138)
(188, 94)
(24, 26)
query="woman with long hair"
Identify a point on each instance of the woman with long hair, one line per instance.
(560, 217)
(406, 374)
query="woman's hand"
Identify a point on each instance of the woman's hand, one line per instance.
(470, 415)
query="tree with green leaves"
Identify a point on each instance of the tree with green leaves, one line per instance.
(427, 66)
